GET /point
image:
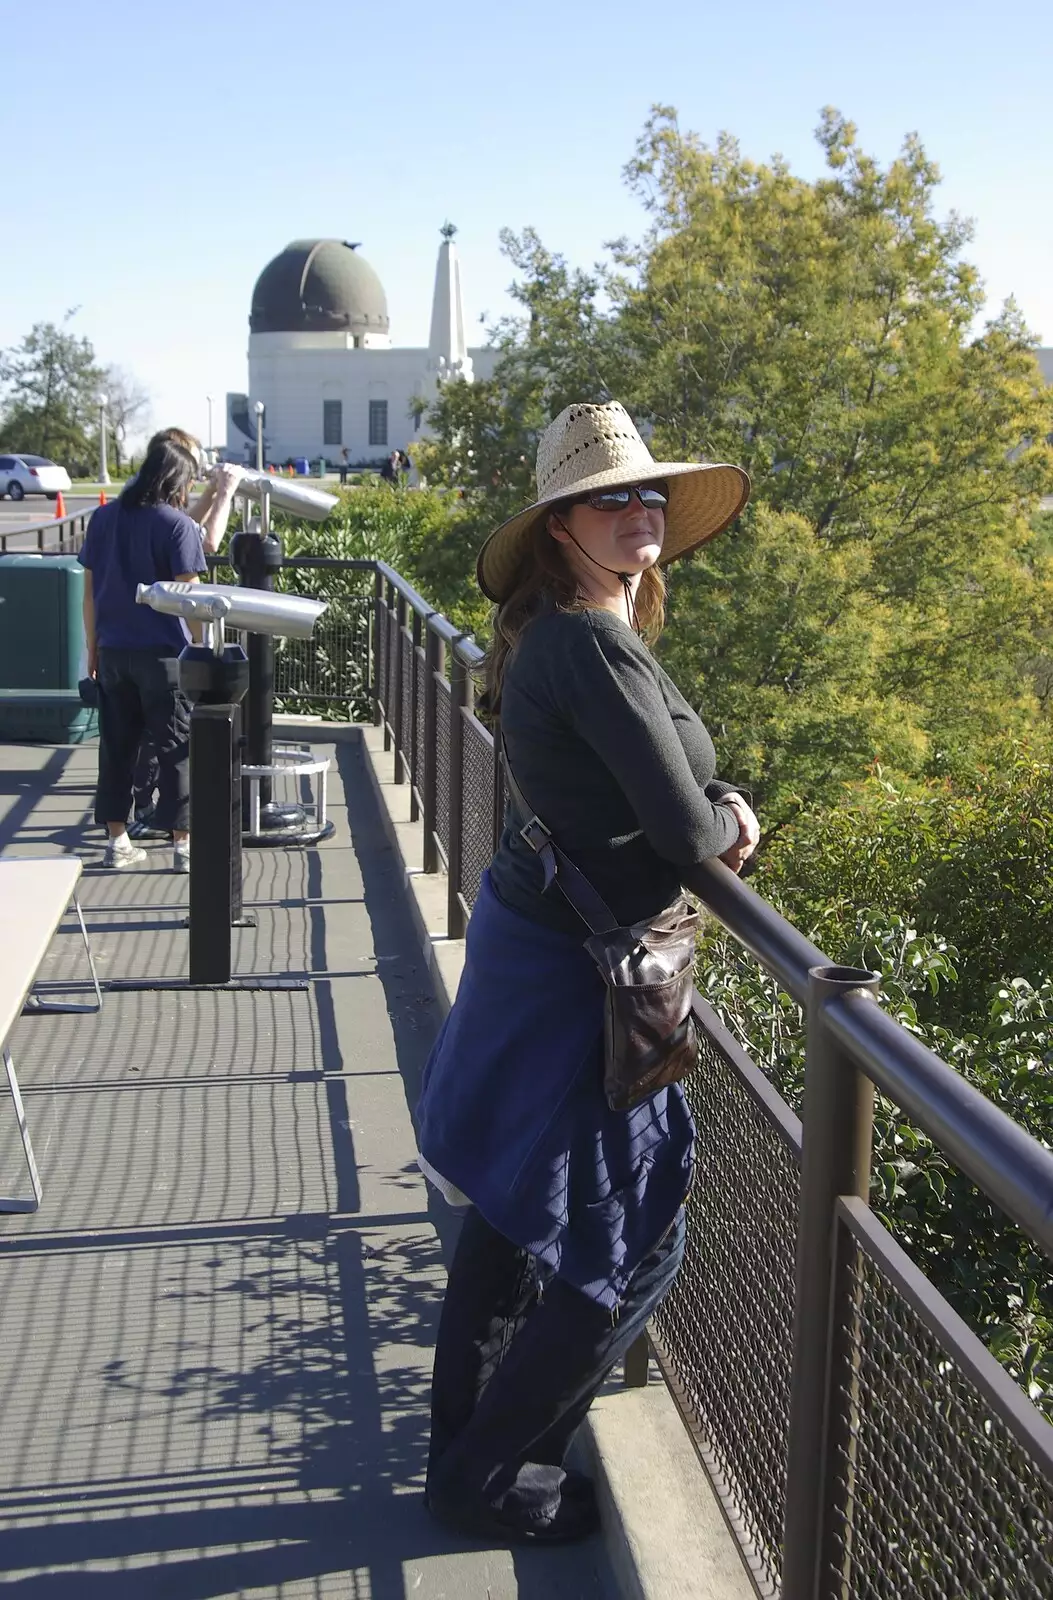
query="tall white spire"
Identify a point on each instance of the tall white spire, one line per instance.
(448, 348)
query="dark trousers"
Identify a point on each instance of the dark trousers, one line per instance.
(145, 775)
(519, 1358)
(137, 695)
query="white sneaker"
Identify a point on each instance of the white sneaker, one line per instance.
(121, 852)
(181, 858)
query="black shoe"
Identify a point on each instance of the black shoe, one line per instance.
(576, 1486)
(576, 1517)
(143, 827)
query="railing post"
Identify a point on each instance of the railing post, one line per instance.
(837, 1118)
(389, 623)
(414, 775)
(379, 644)
(433, 665)
(635, 1363)
(460, 703)
(396, 710)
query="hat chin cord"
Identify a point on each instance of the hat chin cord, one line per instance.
(626, 577)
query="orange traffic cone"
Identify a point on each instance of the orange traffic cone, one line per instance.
(102, 497)
(60, 505)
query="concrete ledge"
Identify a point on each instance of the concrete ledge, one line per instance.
(664, 1530)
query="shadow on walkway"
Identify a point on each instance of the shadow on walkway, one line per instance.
(216, 1332)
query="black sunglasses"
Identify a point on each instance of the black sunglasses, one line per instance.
(652, 496)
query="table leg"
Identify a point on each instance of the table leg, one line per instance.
(6, 1203)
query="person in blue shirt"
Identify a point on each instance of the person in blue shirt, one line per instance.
(144, 536)
(211, 511)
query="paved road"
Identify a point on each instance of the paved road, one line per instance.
(32, 511)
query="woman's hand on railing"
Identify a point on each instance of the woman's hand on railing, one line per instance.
(749, 832)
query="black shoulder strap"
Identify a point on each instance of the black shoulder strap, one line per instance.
(590, 906)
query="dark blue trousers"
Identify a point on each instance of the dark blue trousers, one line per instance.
(520, 1357)
(138, 695)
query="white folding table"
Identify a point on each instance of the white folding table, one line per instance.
(34, 897)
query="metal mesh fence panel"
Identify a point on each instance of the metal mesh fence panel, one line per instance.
(725, 1332)
(332, 666)
(418, 730)
(406, 648)
(944, 1500)
(477, 765)
(442, 765)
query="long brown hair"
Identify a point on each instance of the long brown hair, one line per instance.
(545, 581)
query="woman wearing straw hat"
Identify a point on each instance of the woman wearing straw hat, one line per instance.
(576, 1226)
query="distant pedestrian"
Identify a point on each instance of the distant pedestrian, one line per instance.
(390, 469)
(345, 463)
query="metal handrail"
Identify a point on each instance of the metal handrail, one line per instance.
(41, 529)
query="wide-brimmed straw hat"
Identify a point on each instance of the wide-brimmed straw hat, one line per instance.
(598, 447)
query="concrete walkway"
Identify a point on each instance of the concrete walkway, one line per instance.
(215, 1334)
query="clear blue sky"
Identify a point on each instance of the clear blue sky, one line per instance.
(157, 157)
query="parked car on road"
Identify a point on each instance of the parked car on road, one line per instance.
(22, 475)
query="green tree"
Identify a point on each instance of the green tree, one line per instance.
(559, 345)
(50, 383)
(890, 596)
(820, 334)
(127, 409)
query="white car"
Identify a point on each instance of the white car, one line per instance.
(22, 475)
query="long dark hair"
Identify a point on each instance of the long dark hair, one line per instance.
(164, 478)
(543, 582)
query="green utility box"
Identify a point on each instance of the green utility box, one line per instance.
(42, 658)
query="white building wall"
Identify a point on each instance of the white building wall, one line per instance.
(295, 373)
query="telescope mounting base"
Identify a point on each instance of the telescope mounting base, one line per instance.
(311, 834)
(235, 922)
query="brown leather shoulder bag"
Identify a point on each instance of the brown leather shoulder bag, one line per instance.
(648, 970)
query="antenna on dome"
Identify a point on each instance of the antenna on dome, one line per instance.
(448, 230)
(356, 246)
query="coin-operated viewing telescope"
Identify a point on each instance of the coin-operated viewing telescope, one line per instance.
(256, 555)
(301, 498)
(214, 675)
(287, 616)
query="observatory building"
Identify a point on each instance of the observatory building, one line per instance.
(322, 363)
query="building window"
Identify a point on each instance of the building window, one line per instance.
(378, 422)
(332, 422)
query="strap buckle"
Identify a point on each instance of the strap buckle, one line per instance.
(535, 834)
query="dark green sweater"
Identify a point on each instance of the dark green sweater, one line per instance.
(616, 764)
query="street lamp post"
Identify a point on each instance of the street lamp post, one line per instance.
(208, 397)
(104, 476)
(260, 409)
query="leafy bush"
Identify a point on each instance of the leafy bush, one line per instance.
(413, 531)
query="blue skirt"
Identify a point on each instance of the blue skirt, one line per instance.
(513, 1111)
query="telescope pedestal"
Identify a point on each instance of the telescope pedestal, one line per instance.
(256, 556)
(215, 680)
